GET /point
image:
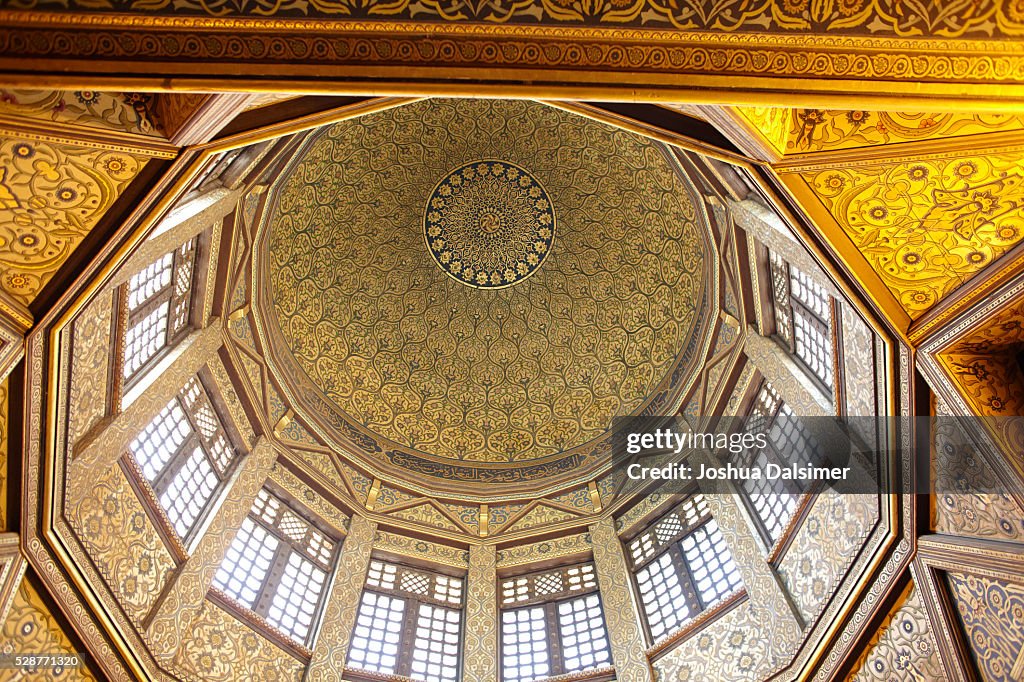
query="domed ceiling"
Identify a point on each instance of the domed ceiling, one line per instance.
(471, 290)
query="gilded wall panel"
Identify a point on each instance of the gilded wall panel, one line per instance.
(815, 130)
(120, 539)
(993, 386)
(858, 364)
(1001, 332)
(30, 627)
(91, 355)
(339, 618)
(904, 647)
(733, 647)
(169, 625)
(480, 650)
(220, 648)
(826, 544)
(883, 18)
(51, 196)
(130, 112)
(620, 611)
(967, 500)
(927, 225)
(522, 555)
(540, 515)
(421, 549)
(991, 612)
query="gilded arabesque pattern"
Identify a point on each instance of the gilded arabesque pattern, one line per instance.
(903, 648)
(815, 130)
(480, 651)
(30, 627)
(991, 612)
(130, 112)
(117, 534)
(927, 225)
(220, 648)
(51, 196)
(91, 356)
(950, 18)
(620, 610)
(969, 500)
(496, 377)
(825, 545)
(339, 617)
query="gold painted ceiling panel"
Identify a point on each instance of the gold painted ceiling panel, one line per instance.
(927, 225)
(30, 627)
(130, 112)
(816, 130)
(421, 361)
(51, 196)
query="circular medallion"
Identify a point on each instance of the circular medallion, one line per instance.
(489, 224)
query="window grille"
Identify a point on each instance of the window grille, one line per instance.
(277, 567)
(803, 319)
(159, 308)
(185, 457)
(789, 441)
(552, 623)
(682, 567)
(409, 623)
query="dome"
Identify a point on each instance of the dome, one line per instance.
(470, 291)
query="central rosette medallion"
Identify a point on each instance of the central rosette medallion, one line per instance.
(489, 224)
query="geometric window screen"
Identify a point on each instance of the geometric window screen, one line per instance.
(409, 623)
(552, 623)
(803, 319)
(159, 307)
(185, 457)
(278, 566)
(682, 567)
(788, 441)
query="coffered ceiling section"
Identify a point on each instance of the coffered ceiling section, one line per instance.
(470, 290)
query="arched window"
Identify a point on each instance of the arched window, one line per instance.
(772, 502)
(277, 567)
(682, 567)
(185, 457)
(159, 309)
(409, 623)
(552, 623)
(804, 320)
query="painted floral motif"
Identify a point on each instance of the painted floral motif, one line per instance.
(991, 612)
(927, 226)
(51, 196)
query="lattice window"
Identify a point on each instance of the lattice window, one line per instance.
(185, 457)
(774, 501)
(552, 623)
(159, 299)
(277, 567)
(409, 623)
(682, 567)
(803, 319)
